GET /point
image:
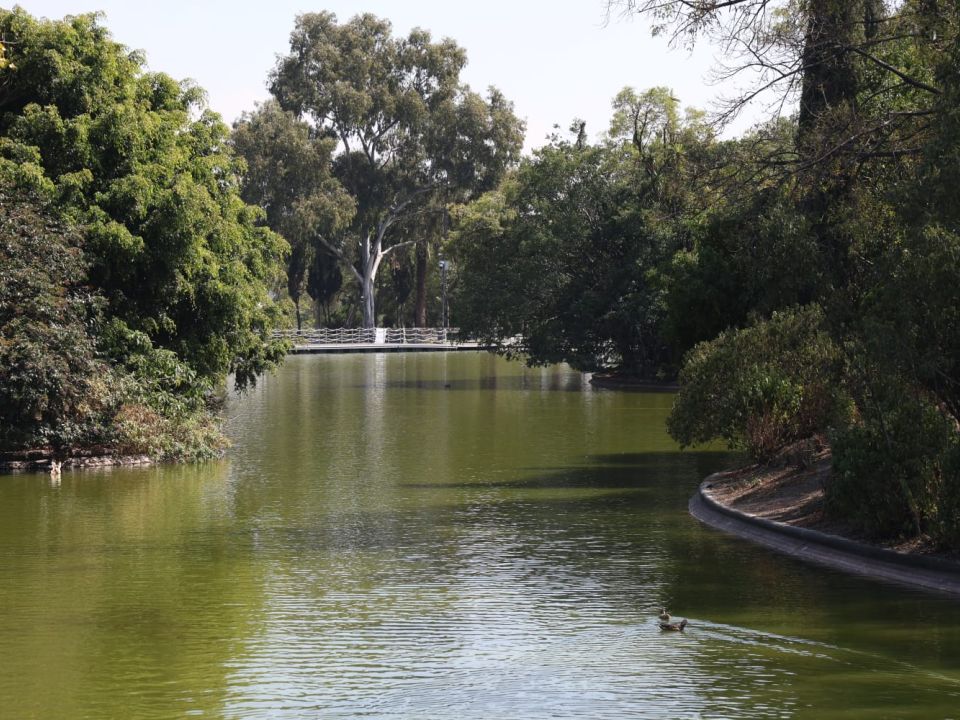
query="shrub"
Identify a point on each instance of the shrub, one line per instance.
(70, 381)
(762, 387)
(51, 380)
(888, 465)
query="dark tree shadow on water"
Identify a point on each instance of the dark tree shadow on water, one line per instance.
(635, 471)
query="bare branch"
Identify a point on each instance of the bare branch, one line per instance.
(391, 248)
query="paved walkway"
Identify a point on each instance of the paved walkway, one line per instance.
(830, 550)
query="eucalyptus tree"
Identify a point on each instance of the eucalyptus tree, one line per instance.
(411, 136)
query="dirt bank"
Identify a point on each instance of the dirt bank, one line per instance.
(790, 490)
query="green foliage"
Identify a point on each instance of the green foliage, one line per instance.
(754, 257)
(888, 466)
(762, 387)
(566, 261)
(289, 175)
(67, 382)
(411, 136)
(150, 185)
(133, 277)
(53, 387)
(896, 467)
(555, 259)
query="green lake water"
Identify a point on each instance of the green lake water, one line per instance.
(437, 536)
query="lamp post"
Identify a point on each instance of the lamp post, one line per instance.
(443, 293)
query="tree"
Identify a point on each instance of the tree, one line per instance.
(146, 175)
(324, 281)
(403, 121)
(644, 117)
(289, 175)
(552, 265)
(564, 261)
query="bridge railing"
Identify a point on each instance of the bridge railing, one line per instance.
(328, 336)
(420, 336)
(369, 336)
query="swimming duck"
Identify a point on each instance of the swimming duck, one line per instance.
(664, 615)
(678, 626)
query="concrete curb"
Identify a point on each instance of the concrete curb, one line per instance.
(828, 550)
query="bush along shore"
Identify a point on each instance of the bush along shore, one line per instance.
(869, 457)
(791, 489)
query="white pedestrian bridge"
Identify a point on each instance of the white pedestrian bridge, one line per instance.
(334, 340)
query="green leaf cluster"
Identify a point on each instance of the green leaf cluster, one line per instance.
(569, 259)
(762, 387)
(132, 159)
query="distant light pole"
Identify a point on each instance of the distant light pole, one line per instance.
(443, 293)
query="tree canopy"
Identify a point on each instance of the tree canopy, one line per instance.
(132, 159)
(565, 261)
(156, 271)
(411, 137)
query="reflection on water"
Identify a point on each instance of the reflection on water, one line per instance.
(436, 536)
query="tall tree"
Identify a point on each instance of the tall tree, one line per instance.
(562, 262)
(133, 159)
(289, 174)
(399, 112)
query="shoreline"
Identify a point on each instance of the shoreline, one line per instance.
(792, 523)
(8, 467)
(37, 461)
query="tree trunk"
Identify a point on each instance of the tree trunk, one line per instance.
(829, 76)
(296, 304)
(420, 307)
(369, 315)
(828, 113)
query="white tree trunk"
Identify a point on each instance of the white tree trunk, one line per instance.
(369, 314)
(371, 253)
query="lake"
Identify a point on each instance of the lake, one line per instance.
(437, 535)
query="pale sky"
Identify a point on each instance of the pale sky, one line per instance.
(555, 59)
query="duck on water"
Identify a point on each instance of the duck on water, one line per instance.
(665, 623)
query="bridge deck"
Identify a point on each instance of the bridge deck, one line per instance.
(308, 348)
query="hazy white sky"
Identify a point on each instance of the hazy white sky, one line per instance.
(555, 59)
